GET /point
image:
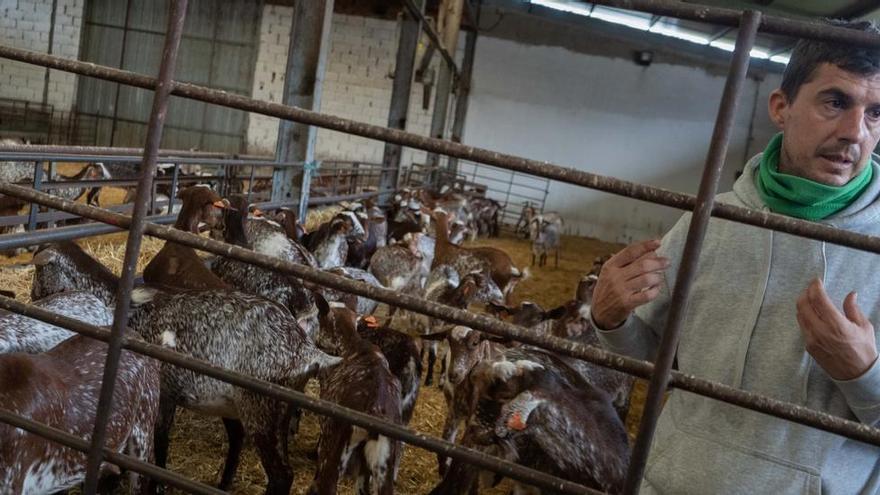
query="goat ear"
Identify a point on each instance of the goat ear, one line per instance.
(555, 313)
(495, 338)
(435, 336)
(321, 303)
(42, 258)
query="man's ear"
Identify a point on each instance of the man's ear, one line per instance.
(777, 108)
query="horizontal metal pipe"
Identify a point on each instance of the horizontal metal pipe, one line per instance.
(304, 401)
(125, 462)
(629, 189)
(60, 234)
(730, 17)
(23, 156)
(72, 184)
(55, 216)
(111, 150)
(749, 400)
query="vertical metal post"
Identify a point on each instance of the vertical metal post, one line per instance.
(121, 66)
(464, 91)
(49, 51)
(173, 192)
(444, 80)
(38, 179)
(691, 255)
(251, 183)
(135, 235)
(304, 77)
(400, 91)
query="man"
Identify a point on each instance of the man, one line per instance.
(765, 312)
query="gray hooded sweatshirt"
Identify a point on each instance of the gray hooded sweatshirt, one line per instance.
(740, 329)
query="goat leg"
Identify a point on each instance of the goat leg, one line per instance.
(167, 409)
(268, 422)
(432, 358)
(235, 434)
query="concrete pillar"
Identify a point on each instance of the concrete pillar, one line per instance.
(306, 62)
(464, 89)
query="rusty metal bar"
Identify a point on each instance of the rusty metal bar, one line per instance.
(432, 34)
(126, 462)
(687, 272)
(299, 399)
(547, 170)
(601, 357)
(143, 198)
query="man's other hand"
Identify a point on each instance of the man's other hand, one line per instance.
(629, 279)
(842, 343)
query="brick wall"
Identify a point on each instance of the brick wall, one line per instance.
(26, 24)
(357, 84)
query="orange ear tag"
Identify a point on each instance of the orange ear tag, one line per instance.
(516, 422)
(219, 204)
(371, 321)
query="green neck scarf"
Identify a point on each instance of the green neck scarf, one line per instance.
(803, 198)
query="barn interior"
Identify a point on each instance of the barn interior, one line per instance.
(538, 136)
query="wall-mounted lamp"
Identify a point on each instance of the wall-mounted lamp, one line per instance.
(643, 57)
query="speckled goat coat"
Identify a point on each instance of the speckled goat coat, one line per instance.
(362, 382)
(274, 286)
(529, 407)
(64, 266)
(60, 388)
(18, 333)
(270, 238)
(239, 332)
(365, 305)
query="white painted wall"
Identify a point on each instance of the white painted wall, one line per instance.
(357, 84)
(607, 116)
(25, 24)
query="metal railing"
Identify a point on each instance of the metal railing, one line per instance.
(660, 373)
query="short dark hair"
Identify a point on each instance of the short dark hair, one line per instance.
(809, 54)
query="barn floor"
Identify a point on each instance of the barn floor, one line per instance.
(198, 443)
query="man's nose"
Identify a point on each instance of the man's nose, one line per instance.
(852, 126)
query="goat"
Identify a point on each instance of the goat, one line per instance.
(179, 266)
(18, 333)
(531, 408)
(291, 224)
(402, 353)
(92, 171)
(243, 333)
(271, 238)
(64, 266)
(467, 347)
(485, 216)
(330, 242)
(284, 289)
(525, 217)
(494, 262)
(398, 266)
(444, 286)
(545, 235)
(362, 382)
(572, 321)
(363, 305)
(15, 171)
(60, 388)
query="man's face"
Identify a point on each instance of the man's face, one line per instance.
(831, 127)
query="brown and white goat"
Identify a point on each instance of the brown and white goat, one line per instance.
(18, 333)
(284, 289)
(404, 360)
(493, 261)
(60, 388)
(239, 332)
(9, 207)
(64, 266)
(532, 409)
(362, 382)
(178, 266)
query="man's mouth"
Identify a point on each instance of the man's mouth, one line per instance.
(838, 159)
